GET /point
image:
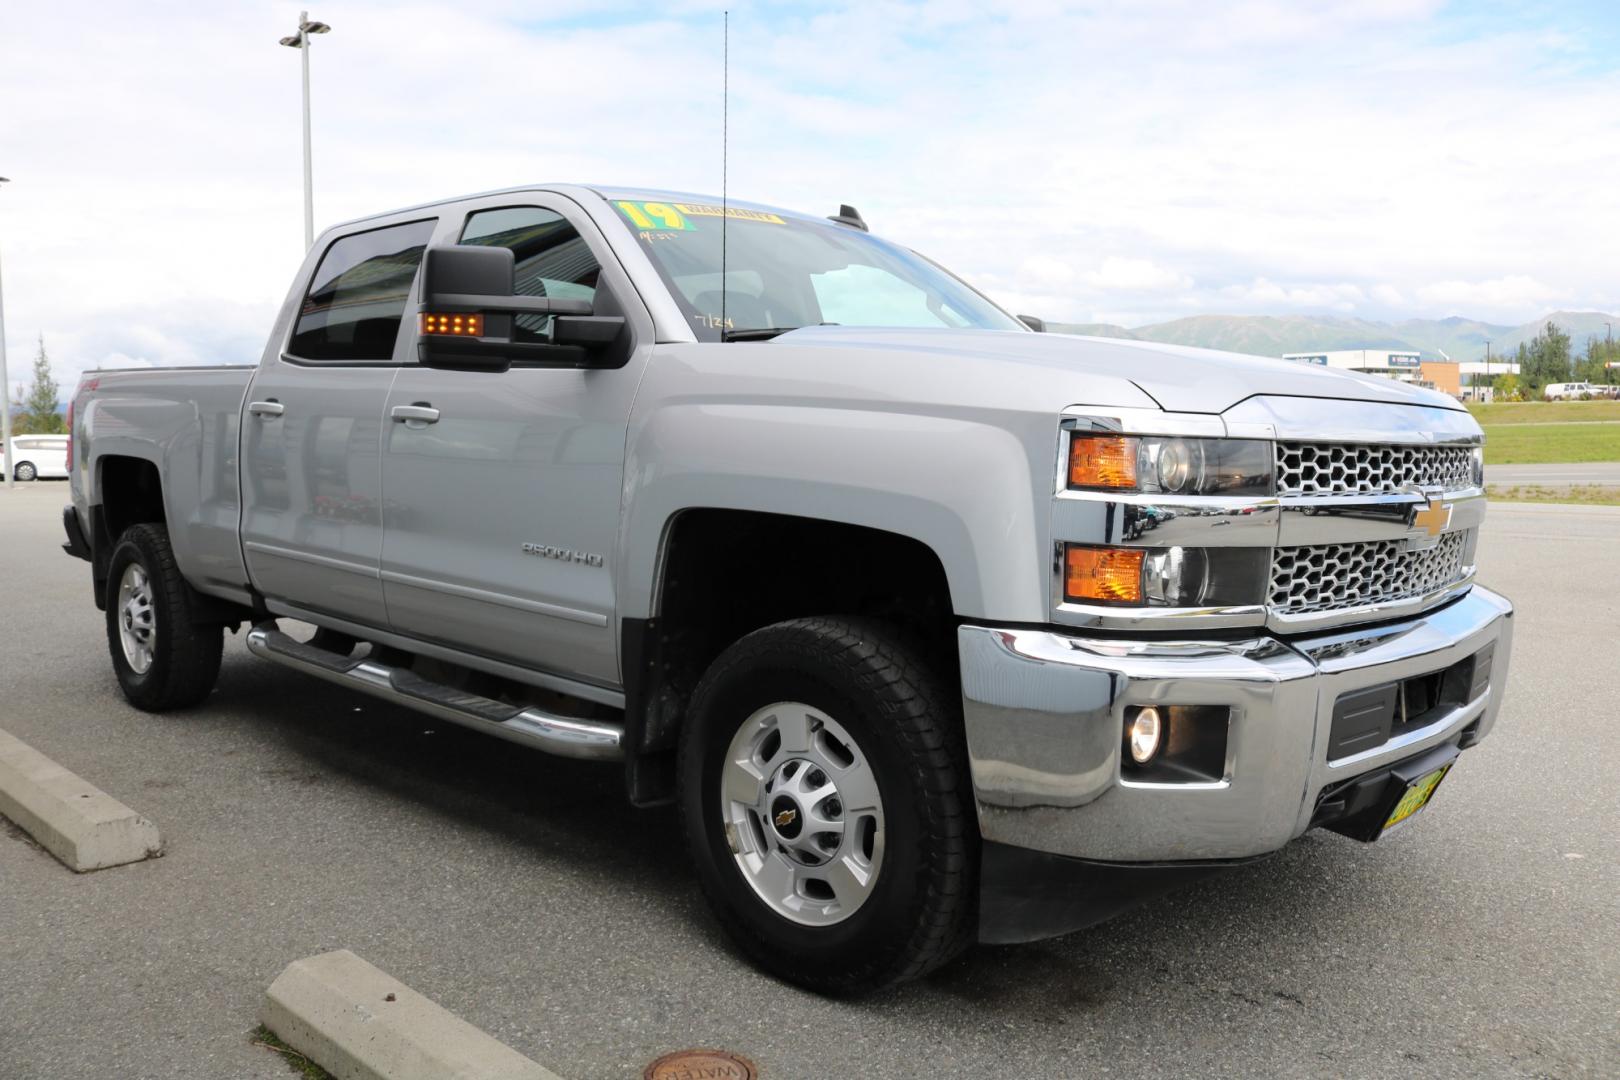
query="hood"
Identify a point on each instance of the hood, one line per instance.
(1177, 377)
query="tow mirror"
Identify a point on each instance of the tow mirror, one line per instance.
(468, 307)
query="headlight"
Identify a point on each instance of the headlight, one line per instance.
(1183, 577)
(1169, 465)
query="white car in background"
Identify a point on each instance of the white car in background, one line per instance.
(39, 457)
(1571, 391)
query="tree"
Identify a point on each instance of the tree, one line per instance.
(1507, 388)
(1545, 359)
(37, 410)
(1600, 352)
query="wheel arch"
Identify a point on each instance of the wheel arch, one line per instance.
(128, 490)
(722, 573)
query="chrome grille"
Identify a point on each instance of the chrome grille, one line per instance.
(1362, 469)
(1333, 577)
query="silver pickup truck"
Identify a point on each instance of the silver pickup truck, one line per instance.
(932, 627)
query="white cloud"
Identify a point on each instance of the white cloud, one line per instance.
(1261, 294)
(1136, 275)
(1513, 292)
(1139, 161)
(1042, 271)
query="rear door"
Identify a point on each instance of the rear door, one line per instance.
(313, 427)
(503, 510)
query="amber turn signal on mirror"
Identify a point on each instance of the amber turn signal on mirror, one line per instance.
(466, 325)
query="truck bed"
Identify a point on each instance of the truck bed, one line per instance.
(184, 421)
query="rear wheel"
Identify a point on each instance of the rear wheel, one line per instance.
(163, 659)
(824, 795)
(26, 471)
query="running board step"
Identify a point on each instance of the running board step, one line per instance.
(565, 736)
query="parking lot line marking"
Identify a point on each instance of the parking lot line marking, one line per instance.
(72, 819)
(354, 1020)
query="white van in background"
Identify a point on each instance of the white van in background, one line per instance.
(39, 457)
(1571, 391)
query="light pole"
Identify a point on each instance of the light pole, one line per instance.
(5, 389)
(300, 41)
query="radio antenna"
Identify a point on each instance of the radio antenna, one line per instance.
(725, 138)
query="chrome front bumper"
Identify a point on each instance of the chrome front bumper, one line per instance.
(1045, 712)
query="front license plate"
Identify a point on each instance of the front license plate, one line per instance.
(1418, 794)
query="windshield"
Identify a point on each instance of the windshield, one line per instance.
(785, 272)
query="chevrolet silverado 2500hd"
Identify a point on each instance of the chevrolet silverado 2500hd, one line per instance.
(933, 628)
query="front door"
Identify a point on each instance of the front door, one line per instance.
(503, 488)
(313, 428)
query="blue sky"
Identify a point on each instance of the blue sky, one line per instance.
(1086, 162)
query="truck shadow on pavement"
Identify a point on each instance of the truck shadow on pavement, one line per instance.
(1239, 936)
(563, 810)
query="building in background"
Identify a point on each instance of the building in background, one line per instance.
(1394, 363)
(1467, 379)
(1442, 375)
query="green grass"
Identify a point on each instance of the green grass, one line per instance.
(1534, 444)
(298, 1063)
(1544, 412)
(1589, 494)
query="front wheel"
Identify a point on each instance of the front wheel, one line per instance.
(162, 658)
(824, 795)
(26, 471)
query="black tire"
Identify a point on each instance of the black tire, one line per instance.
(26, 471)
(185, 655)
(922, 908)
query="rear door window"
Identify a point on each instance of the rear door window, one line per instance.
(356, 299)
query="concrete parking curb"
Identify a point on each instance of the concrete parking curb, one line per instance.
(78, 823)
(358, 1023)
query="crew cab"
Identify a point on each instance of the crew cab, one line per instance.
(931, 627)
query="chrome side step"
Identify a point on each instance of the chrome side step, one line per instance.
(565, 736)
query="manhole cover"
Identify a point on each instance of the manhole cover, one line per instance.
(701, 1065)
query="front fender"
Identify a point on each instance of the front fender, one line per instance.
(964, 488)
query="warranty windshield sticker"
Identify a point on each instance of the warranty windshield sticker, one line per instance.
(654, 215)
(678, 216)
(735, 213)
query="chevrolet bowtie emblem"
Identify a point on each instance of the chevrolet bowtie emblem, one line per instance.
(1433, 518)
(785, 818)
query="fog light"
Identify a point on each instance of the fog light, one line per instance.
(1142, 735)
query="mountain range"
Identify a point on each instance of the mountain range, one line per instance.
(1274, 335)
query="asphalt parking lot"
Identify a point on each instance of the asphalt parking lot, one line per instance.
(522, 893)
(1580, 472)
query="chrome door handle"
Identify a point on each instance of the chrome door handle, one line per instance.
(268, 410)
(425, 414)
